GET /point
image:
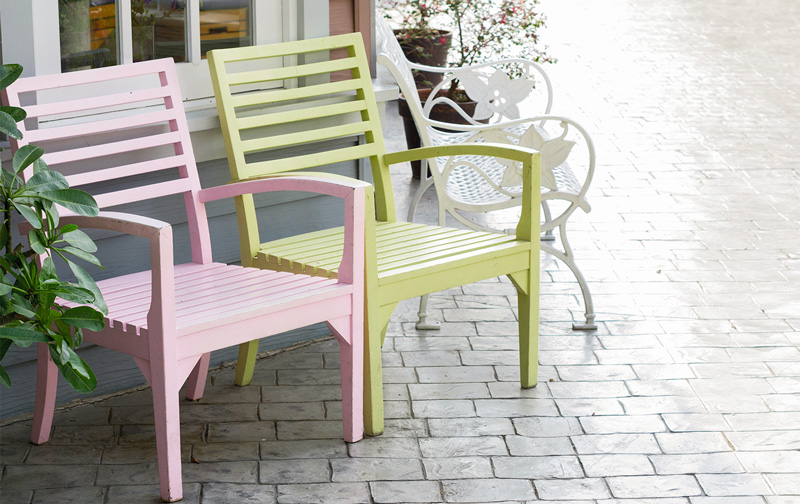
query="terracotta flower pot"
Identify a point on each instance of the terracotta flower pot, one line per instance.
(428, 50)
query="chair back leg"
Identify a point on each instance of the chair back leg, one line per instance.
(46, 382)
(196, 383)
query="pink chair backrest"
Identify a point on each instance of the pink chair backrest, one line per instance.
(120, 129)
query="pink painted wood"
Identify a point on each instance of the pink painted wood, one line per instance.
(171, 317)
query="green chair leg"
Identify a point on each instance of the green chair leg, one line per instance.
(246, 363)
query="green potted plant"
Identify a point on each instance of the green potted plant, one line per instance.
(29, 284)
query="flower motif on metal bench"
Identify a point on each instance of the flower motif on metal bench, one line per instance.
(497, 94)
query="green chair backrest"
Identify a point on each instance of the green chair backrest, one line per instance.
(284, 95)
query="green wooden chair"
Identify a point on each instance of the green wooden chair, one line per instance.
(280, 96)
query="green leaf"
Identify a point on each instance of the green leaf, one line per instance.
(74, 293)
(4, 378)
(77, 373)
(39, 165)
(87, 282)
(22, 336)
(22, 306)
(17, 113)
(48, 271)
(9, 73)
(45, 181)
(9, 126)
(4, 346)
(25, 156)
(80, 254)
(69, 228)
(30, 215)
(35, 242)
(5, 287)
(80, 240)
(79, 202)
(84, 317)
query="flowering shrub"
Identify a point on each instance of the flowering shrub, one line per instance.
(482, 30)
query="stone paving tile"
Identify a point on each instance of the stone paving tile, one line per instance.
(598, 466)
(586, 488)
(405, 491)
(88, 495)
(374, 469)
(444, 427)
(324, 493)
(542, 427)
(222, 493)
(444, 468)
(537, 467)
(616, 443)
(630, 487)
(275, 472)
(622, 424)
(492, 490)
(697, 463)
(733, 484)
(692, 442)
(148, 494)
(527, 446)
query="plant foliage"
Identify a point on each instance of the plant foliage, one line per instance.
(29, 285)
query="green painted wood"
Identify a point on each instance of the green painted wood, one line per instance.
(403, 260)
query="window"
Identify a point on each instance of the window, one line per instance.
(89, 30)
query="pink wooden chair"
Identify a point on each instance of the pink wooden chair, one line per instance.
(171, 317)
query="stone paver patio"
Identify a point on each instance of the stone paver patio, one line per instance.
(688, 393)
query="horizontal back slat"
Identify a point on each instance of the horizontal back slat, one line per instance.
(271, 119)
(103, 126)
(285, 49)
(96, 102)
(111, 148)
(302, 137)
(291, 72)
(275, 96)
(128, 170)
(312, 160)
(149, 191)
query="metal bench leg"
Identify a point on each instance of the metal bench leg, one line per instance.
(568, 258)
(423, 324)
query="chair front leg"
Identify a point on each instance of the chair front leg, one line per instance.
(165, 386)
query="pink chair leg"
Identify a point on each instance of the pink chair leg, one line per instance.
(196, 383)
(351, 356)
(164, 383)
(46, 381)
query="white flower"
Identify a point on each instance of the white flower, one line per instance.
(498, 95)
